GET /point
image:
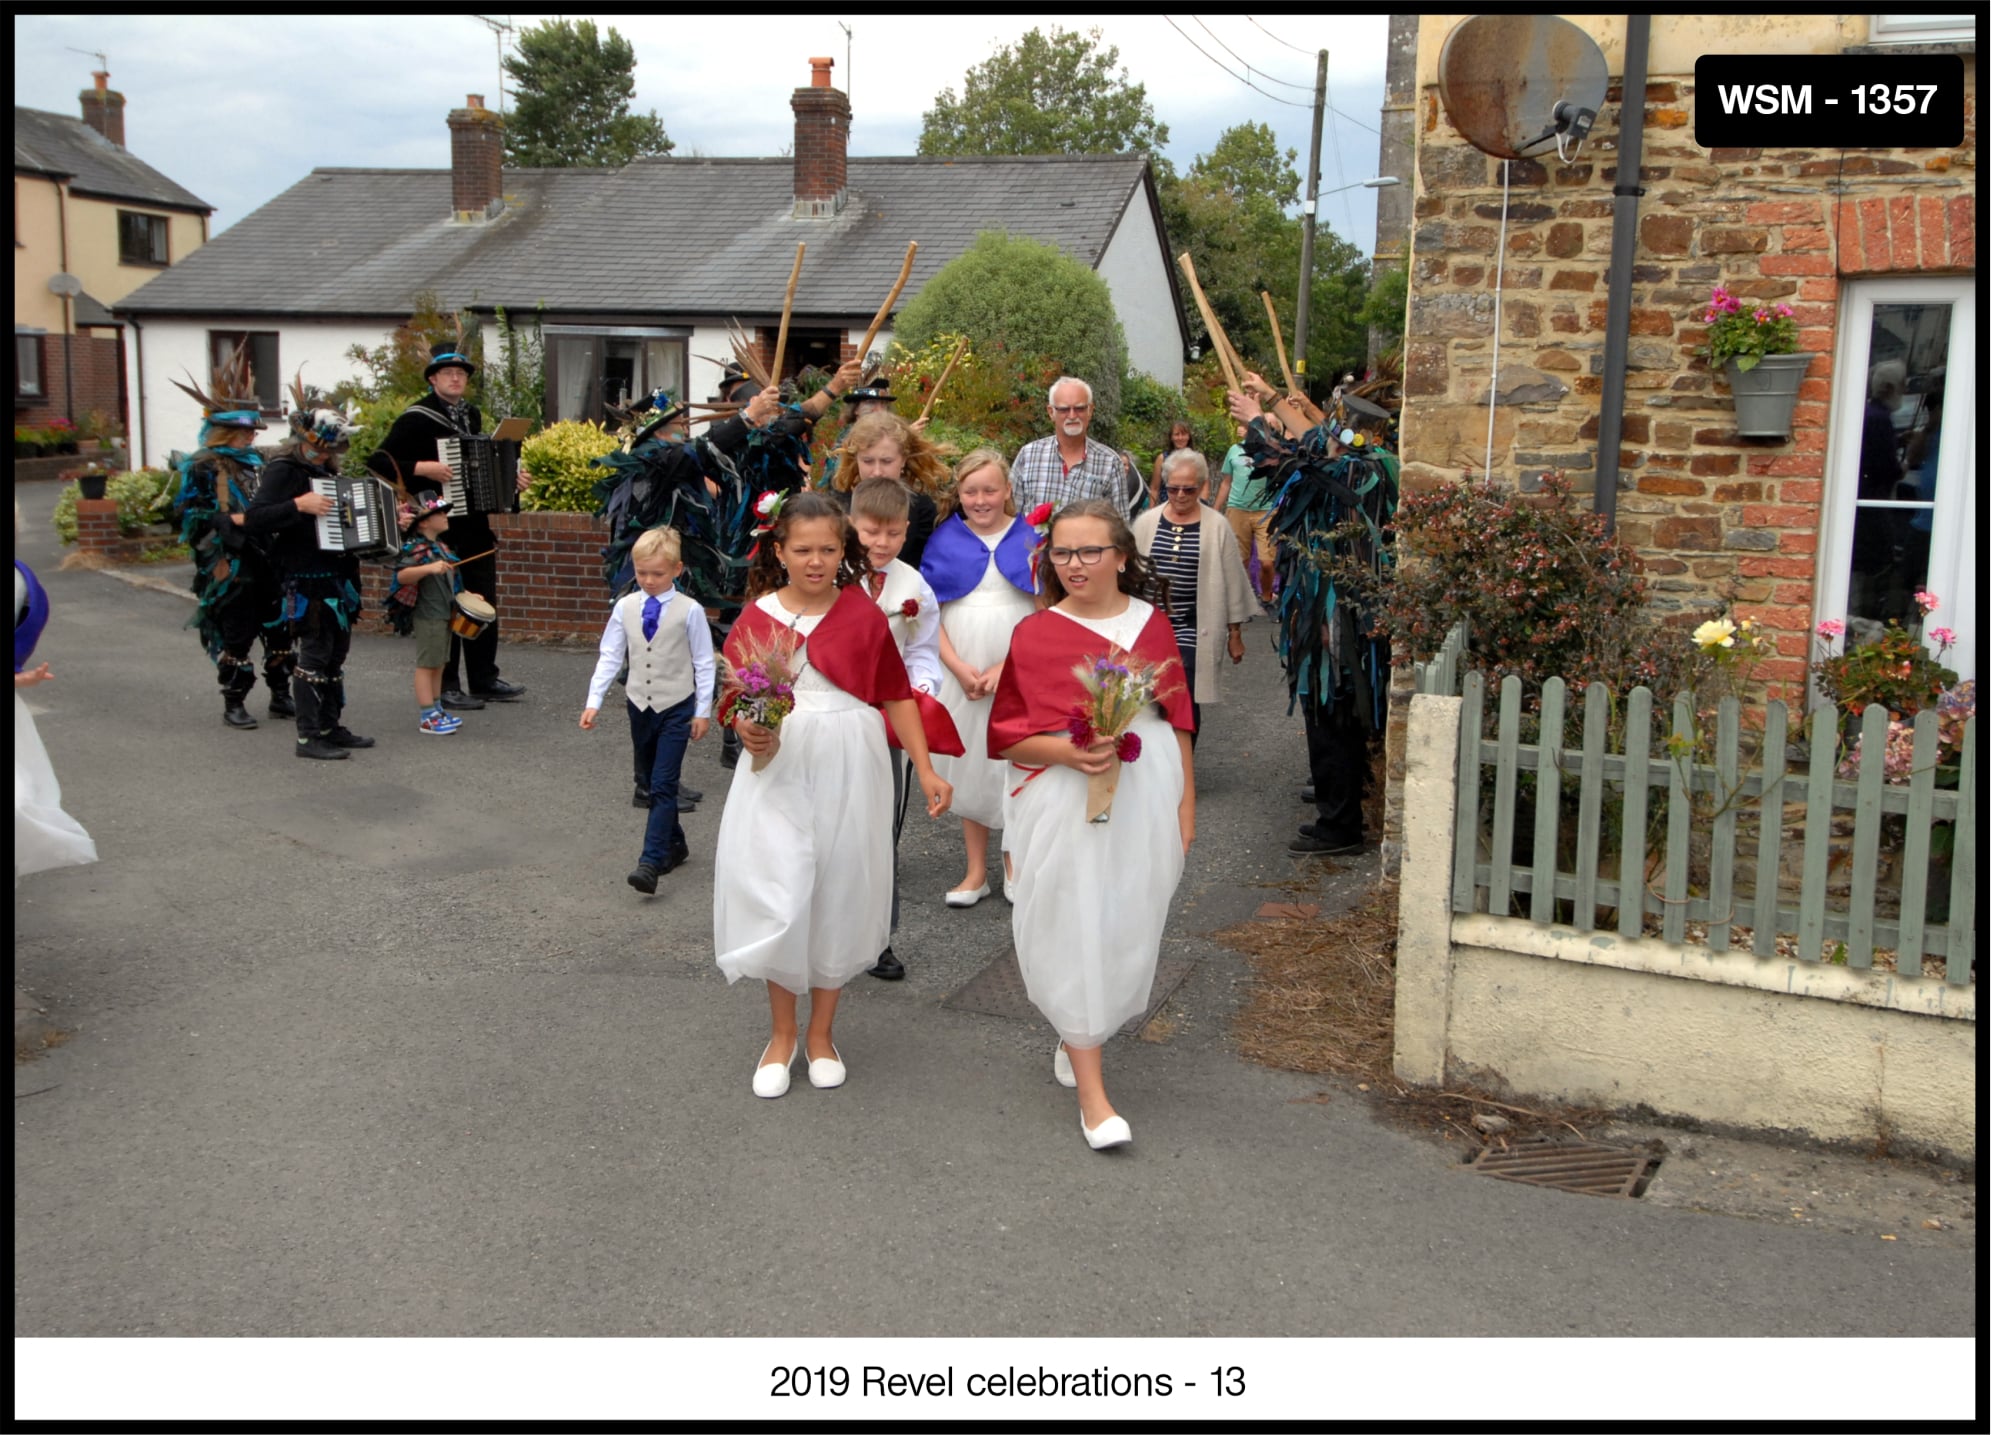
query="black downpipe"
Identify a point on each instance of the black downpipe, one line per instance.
(1625, 192)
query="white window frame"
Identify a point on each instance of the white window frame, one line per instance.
(1922, 29)
(1954, 573)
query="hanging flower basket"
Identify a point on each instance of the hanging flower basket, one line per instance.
(1766, 395)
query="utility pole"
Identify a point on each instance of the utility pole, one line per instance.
(1312, 225)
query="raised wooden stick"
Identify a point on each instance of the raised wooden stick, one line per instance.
(474, 558)
(785, 319)
(882, 314)
(938, 387)
(1278, 338)
(1215, 339)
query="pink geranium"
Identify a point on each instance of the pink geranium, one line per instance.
(1832, 628)
(1943, 637)
(1927, 600)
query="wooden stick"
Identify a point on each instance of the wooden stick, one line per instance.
(882, 314)
(785, 319)
(1278, 338)
(474, 558)
(1215, 339)
(938, 388)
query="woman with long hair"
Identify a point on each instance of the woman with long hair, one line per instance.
(882, 445)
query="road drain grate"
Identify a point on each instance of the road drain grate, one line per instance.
(1592, 1170)
(997, 991)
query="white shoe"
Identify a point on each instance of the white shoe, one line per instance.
(1007, 889)
(827, 1072)
(1065, 1073)
(967, 897)
(773, 1079)
(1114, 1132)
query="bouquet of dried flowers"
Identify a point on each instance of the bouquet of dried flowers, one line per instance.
(759, 687)
(1116, 690)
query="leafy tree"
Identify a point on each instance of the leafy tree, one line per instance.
(572, 97)
(1246, 164)
(1387, 298)
(1053, 93)
(1034, 299)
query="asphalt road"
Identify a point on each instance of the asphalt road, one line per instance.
(388, 1047)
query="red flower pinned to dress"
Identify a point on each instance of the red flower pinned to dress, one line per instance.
(1128, 747)
(1039, 516)
(910, 608)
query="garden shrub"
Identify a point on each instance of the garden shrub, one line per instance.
(144, 497)
(558, 461)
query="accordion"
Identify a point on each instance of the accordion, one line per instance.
(363, 520)
(482, 472)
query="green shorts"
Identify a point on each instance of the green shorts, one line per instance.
(433, 642)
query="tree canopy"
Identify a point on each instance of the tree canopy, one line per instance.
(572, 99)
(1034, 299)
(1052, 93)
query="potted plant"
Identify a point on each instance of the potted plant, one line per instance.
(1895, 670)
(90, 482)
(1757, 350)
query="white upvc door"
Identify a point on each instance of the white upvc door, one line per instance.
(1901, 504)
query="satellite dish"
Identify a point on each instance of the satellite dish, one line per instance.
(67, 285)
(1514, 83)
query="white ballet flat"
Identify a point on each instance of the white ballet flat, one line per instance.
(1065, 1073)
(773, 1079)
(967, 898)
(1007, 889)
(827, 1072)
(1114, 1132)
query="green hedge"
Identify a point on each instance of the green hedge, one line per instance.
(558, 461)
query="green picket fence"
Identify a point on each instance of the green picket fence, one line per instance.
(1738, 805)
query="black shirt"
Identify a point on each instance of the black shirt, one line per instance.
(413, 439)
(294, 536)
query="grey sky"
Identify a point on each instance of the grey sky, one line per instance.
(238, 109)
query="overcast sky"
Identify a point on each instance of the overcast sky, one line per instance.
(239, 109)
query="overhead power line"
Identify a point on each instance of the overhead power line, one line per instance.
(1229, 72)
(1245, 63)
(1279, 38)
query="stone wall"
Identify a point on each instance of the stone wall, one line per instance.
(1713, 513)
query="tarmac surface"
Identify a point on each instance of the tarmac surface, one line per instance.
(388, 1047)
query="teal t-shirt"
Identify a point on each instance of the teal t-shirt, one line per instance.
(1244, 491)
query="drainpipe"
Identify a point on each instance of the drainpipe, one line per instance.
(1625, 192)
(138, 446)
(69, 326)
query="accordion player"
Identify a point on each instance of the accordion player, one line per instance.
(362, 522)
(483, 469)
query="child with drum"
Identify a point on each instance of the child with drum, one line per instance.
(421, 601)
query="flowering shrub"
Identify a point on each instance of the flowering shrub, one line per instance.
(1737, 331)
(558, 461)
(1896, 670)
(1954, 707)
(144, 496)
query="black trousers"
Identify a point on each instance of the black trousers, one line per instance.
(1187, 668)
(482, 654)
(1337, 749)
(253, 616)
(319, 690)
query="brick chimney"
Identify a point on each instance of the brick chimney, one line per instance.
(104, 108)
(819, 145)
(476, 151)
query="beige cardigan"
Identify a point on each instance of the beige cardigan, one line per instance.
(1222, 594)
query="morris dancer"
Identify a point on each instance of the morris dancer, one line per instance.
(419, 603)
(803, 862)
(236, 593)
(1091, 898)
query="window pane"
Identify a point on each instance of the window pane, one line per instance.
(664, 368)
(28, 364)
(156, 232)
(575, 362)
(1896, 489)
(263, 361)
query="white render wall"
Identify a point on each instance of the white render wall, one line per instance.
(1142, 295)
(166, 419)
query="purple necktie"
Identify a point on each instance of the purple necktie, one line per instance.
(649, 624)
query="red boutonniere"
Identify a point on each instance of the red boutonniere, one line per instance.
(910, 608)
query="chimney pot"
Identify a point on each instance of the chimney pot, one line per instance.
(475, 102)
(103, 78)
(104, 108)
(822, 70)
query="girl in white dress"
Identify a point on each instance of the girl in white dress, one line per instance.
(1091, 899)
(803, 864)
(976, 627)
(45, 836)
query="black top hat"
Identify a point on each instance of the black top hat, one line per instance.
(876, 388)
(445, 355)
(657, 421)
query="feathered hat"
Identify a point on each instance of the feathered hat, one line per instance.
(423, 506)
(450, 353)
(326, 427)
(875, 388)
(232, 402)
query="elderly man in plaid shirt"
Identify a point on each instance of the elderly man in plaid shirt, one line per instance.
(1069, 466)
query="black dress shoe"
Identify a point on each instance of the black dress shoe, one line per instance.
(887, 967)
(1309, 794)
(684, 803)
(690, 794)
(453, 698)
(500, 691)
(1318, 844)
(641, 797)
(341, 737)
(321, 749)
(236, 715)
(281, 705)
(645, 878)
(676, 855)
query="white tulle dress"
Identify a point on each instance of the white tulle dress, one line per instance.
(803, 863)
(1091, 899)
(45, 836)
(981, 625)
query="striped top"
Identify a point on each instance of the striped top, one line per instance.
(1177, 555)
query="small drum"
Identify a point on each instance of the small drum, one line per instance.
(471, 615)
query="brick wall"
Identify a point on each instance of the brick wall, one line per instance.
(551, 581)
(1710, 511)
(94, 371)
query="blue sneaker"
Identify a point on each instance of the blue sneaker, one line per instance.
(438, 724)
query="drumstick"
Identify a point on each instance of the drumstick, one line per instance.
(785, 319)
(938, 388)
(1278, 338)
(475, 558)
(1208, 321)
(882, 314)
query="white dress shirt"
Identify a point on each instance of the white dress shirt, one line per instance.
(611, 656)
(918, 637)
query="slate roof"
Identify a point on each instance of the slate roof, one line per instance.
(665, 237)
(53, 144)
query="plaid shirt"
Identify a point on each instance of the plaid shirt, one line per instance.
(1039, 476)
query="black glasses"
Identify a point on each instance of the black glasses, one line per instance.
(1183, 488)
(1069, 408)
(1088, 557)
